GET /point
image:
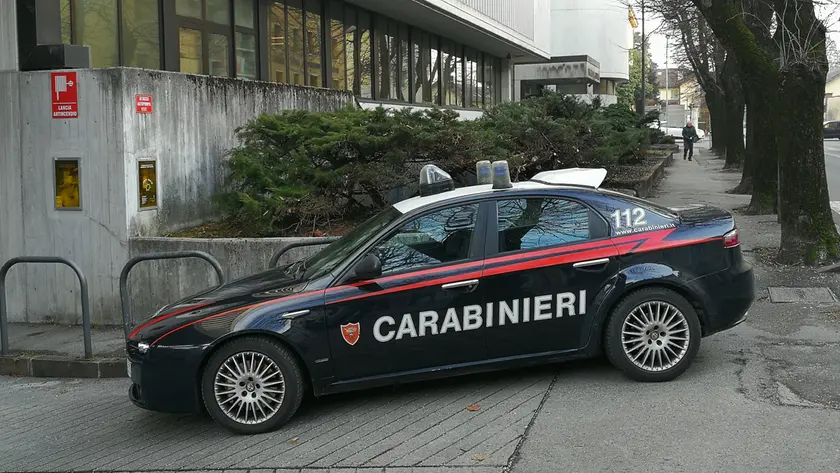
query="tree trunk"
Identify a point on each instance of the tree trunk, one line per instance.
(765, 154)
(808, 231)
(734, 106)
(746, 185)
(735, 148)
(717, 115)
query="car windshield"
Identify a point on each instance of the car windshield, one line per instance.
(327, 259)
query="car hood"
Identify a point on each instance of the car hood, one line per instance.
(269, 285)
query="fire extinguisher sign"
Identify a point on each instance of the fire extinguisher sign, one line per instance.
(65, 98)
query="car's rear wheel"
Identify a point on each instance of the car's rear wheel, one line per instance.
(653, 335)
(252, 385)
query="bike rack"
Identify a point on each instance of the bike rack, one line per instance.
(4, 271)
(125, 303)
(298, 244)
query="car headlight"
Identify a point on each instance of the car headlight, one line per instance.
(143, 347)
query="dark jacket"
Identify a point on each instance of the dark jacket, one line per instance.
(689, 134)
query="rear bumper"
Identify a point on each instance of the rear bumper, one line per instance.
(166, 379)
(729, 295)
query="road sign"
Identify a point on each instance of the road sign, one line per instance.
(65, 98)
(144, 103)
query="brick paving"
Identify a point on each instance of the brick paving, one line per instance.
(90, 425)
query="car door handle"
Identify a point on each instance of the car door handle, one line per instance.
(295, 314)
(591, 263)
(460, 284)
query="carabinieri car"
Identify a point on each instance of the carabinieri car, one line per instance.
(454, 281)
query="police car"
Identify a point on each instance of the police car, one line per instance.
(454, 281)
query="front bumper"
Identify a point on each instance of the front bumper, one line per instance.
(166, 379)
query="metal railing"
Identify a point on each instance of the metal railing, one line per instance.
(315, 241)
(4, 271)
(128, 319)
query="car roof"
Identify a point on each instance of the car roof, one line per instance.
(575, 178)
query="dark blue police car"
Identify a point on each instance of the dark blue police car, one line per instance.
(454, 281)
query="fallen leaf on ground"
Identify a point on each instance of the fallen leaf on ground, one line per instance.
(479, 458)
(473, 408)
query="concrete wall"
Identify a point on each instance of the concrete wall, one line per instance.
(598, 28)
(94, 237)
(8, 36)
(154, 284)
(191, 127)
(189, 132)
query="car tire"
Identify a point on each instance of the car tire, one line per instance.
(264, 367)
(647, 345)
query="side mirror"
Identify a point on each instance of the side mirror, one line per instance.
(369, 267)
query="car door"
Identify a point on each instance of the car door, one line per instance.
(425, 309)
(548, 258)
(833, 130)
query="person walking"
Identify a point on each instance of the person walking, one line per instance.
(689, 134)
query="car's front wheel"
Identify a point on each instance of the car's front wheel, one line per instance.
(653, 335)
(252, 385)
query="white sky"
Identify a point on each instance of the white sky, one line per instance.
(657, 39)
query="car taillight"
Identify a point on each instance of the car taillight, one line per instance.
(732, 239)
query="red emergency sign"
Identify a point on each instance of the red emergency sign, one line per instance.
(144, 103)
(65, 98)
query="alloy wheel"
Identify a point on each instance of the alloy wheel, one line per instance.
(655, 336)
(249, 387)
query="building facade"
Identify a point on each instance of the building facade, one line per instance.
(590, 51)
(118, 115)
(454, 53)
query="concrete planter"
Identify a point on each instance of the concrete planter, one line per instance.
(643, 187)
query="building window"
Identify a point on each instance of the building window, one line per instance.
(350, 43)
(434, 71)
(365, 56)
(277, 42)
(294, 29)
(191, 50)
(226, 35)
(338, 61)
(314, 49)
(95, 25)
(246, 56)
(404, 76)
(419, 59)
(245, 13)
(387, 58)
(141, 34)
(470, 86)
(219, 53)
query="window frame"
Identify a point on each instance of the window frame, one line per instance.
(478, 244)
(172, 22)
(492, 244)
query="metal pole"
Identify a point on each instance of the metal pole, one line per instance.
(667, 79)
(4, 327)
(644, 62)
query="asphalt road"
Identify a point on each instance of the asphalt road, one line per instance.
(764, 396)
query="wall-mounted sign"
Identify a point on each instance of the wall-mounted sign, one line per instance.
(144, 103)
(148, 184)
(68, 187)
(65, 98)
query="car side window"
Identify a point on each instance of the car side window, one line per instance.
(531, 223)
(441, 237)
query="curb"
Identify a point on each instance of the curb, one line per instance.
(50, 366)
(642, 187)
